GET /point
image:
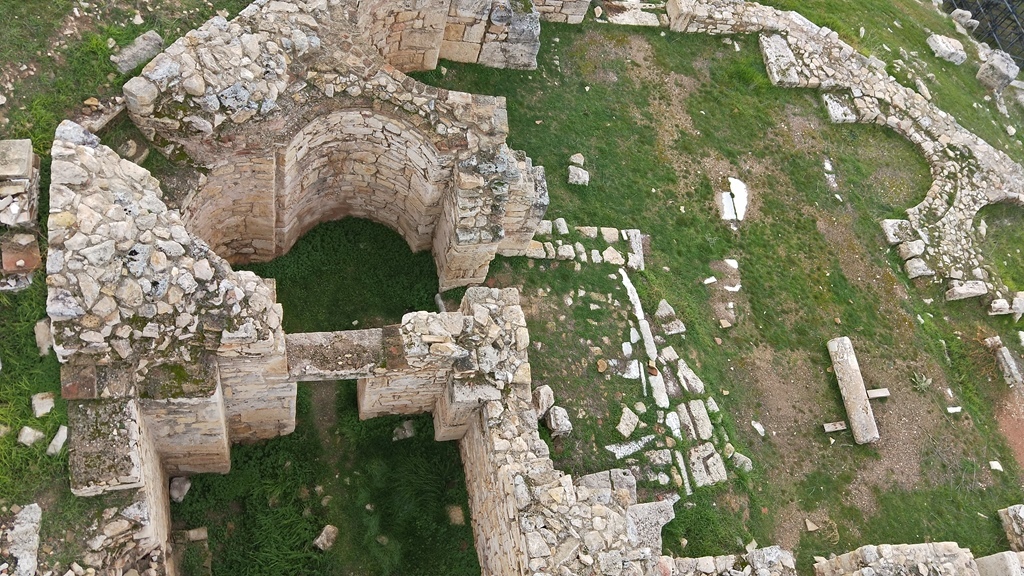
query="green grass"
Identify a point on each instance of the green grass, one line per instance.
(362, 272)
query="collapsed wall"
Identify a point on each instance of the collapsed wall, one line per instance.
(295, 130)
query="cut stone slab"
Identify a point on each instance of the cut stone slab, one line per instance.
(897, 231)
(839, 107)
(140, 51)
(701, 421)
(627, 422)
(628, 448)
(912, 249)
(779, 61)
(612, 256)
(577, 159)
(969, 289)
(877, 393)
(15, 159)
(948, 49)
(1012, 518)
(658, 390)
(665, 311)
(706, 465)
(57, 444)
(831, 427)
(689, 378)
(42, 404)
(851, 386)
(644, 522)
(998, 71)
(685, 422)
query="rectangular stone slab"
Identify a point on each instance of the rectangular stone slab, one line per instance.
(851, 385)
(345, 355)
(15, 159)
(878, 393)
(834, 426)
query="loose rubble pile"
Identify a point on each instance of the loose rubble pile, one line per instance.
(938, 559)
(19, 198)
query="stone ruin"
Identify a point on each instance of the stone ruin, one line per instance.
(300, 113)
(19, 198)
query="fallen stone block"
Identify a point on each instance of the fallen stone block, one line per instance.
(948, 49)
(969, 289)
(834, 426)
(140, 51)
(558, 422)
(628, 448)
(779, 61)
(1012, 518)
(578, 176)
(627, 422)
(839, 107)
(543, 400)
(897, 231)
(998, 71)
(706, 465)
(917, 268)
(851, 386)
(24, 539)
(180, 485)
(29, 436)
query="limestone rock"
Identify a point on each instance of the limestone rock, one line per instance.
(140, 51)
(326, 538)
(577, 159)
(969, 289)
(948, 49)
(29, 436)
(917, 268)
(180, 485)
(998, 71)
(558, 422)
(57, 444)
(42, 404)
(627, 422)
(543, 400)
(578, 176)
(24, 539)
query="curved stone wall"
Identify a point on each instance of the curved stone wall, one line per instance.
(359, 163)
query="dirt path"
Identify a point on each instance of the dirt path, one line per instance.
(1011, 423)
(325, 416)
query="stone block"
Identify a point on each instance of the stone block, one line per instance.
(16, 159)
(140, 51)
(851, 386)
(779, 60)
(948, 49)
(969, 289)
(998, 71)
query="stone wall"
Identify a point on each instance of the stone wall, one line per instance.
(296, 130)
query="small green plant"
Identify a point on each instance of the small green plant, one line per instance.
(920, 382)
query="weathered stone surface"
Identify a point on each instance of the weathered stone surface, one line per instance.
(948, 49)
(543, 400)
(627, 422)
(969, 289)
(558, 421)
(180, 485)
(998, 71)
(29, 436)
(140, 51)
(326, 538)
(578, 176)
(42, 404)
(24, 540)
(851, 386)
(57, 444)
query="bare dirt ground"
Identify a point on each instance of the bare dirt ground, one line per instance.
(1010, 416)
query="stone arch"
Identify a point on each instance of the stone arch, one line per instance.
(365, 164)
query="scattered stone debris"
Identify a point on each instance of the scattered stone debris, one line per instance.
(558, 422)
(57, 444)
(577, 159)
(948, 49)
(998, 71)
(29, 436)
(627, 422)
(733, 204)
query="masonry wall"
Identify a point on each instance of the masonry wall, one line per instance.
(259, 397)
(402, 393)
(500, 544)
(365, 164)
(406, 33)
(189, 434)
(234, 211)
